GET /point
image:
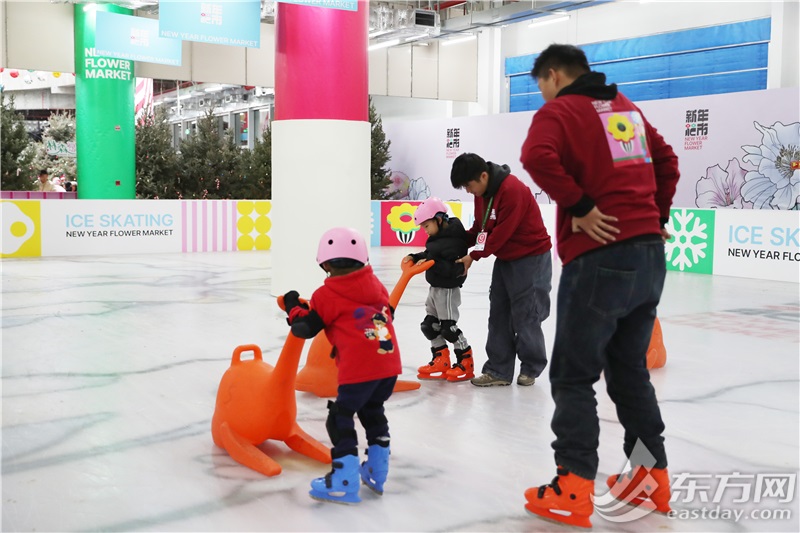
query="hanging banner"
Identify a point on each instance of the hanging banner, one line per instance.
(105, 133)
(134, 38)
(347, 5)
(227, 22)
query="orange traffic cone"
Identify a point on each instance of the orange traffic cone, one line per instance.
(256, 402)
(656, 352)
(319, 375)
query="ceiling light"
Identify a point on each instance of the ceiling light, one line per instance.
(548, 20)
(384, 44)
(457, 40)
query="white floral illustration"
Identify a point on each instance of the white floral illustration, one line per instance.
(776, 182)
(686, 228)
(722, 188)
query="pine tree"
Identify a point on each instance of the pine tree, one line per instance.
(211, 165)
(156, 160)
(257, 169)
(379, 174)
(60, 129)
(15, 159)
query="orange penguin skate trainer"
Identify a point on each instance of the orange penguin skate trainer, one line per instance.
(644, 487)
(568, 494)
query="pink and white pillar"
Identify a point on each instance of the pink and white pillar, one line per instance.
(320, 136)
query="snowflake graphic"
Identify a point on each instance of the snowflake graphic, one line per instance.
(691, 246)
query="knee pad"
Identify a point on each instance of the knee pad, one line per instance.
(430, 327)
(335, 430)
(450, 330)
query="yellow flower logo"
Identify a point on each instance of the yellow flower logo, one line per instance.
(401, 218)
(620, 127)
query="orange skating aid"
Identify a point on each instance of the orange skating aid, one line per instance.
(642, 487)
(656, 352)
(319, 375)
(567, 499)
(464, 367)
(256, 402)
(438, 367)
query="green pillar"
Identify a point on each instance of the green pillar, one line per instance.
(105, 135)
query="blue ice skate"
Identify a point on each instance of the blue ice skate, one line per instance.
(340, 485)
(376, 468)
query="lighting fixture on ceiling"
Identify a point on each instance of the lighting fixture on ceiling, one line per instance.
(457, 40)
(384, 44)
(548, 20)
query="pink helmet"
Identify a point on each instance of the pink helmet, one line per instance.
(342, 243)
(428, 209)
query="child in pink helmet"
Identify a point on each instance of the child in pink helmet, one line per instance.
(352, 307)
(447, 241)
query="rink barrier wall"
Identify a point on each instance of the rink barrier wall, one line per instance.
(758, 244)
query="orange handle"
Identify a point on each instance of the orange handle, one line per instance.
(245, 348)
(282, 305)
(410, 269)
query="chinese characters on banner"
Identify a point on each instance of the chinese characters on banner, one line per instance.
(696, 129)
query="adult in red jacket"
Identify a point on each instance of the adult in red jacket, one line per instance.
(508, 225)
(613, 178)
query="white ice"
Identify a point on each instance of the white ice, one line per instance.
(111, 366)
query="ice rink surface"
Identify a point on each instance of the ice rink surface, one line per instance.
(111, 366)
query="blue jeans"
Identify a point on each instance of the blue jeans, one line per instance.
(606, 310)
(519, 301)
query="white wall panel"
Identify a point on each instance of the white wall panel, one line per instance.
(458, 71)
(261, 61)
(40, 36)
(425, 71)
(217, 63)
(3, 35)
(378, 78)
(399, 71)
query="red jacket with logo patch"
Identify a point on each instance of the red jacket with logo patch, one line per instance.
(359, 325)
(591, 146)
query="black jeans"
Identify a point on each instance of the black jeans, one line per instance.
(365, 399)
(519, 301)
(606, 310)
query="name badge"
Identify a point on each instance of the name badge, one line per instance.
(480, 241)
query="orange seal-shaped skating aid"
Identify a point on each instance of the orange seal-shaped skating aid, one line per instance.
(256, 402)
(656, 352)
(319, 375)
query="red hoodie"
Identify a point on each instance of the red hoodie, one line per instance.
(358, 323)
(591, 146)
(514, 225)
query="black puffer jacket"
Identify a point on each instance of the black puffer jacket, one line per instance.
(449, 244)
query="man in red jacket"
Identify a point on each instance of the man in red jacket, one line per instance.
(508, 225)
(613, 178)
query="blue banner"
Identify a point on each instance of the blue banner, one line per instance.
(347, 5)
(228, 22)
(135, 38)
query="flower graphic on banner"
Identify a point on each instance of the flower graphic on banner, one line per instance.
(776, 182)
(692, 232)
(401, 220)
(404, 188)
(722, 188)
